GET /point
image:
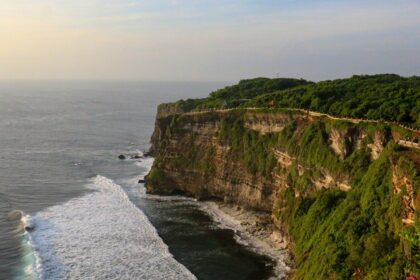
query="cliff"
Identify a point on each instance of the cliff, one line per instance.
(345, 194)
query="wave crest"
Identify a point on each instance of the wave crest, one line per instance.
(102, 235)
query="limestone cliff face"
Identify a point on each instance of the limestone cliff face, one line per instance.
(213, 173)
(192, 157)
(268, 123)
(404, 185)
(378, 145)
(329, 185)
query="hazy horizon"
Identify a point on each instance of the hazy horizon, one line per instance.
(169, 40)
(224, 82)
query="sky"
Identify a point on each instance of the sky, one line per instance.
(204, 40)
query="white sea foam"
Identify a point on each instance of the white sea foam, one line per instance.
(222, 220)
(145, 163)
(243, 237)
(101, 235)
(30, 260)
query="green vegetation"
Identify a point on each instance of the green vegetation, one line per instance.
(255, 151)
(156, 176)
(194, 159)
(380, 97)
(357, 234)
(234, 96)
(337, 235)
(309, 146)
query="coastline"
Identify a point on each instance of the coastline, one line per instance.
(255, 231)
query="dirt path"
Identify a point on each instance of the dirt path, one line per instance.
(311, 113)
(405, 143)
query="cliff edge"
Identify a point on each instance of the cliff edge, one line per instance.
(345, 194)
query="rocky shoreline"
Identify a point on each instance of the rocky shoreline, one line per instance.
(254, 230)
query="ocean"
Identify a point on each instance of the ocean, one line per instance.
(87, 215)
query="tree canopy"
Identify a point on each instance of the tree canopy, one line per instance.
(381, 97)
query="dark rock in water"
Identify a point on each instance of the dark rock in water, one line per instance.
(142, 181)
(121, 156)
(135, 156)
(146, 154)
(29, 228)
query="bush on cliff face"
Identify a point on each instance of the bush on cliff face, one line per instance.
(156, 176)
(310, 146)
(356, 234)
(255, 151)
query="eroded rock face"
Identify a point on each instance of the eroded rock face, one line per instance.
(402, 183)
(337, 143)
(326, 181)
(284, 159)
(378, 145)
(211, 155)
(267, 123)
(343, 142)
(229, 179)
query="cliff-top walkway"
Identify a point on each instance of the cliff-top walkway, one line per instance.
(410, 143)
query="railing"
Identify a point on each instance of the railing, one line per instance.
(410, 144)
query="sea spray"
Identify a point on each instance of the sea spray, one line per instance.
(29, 260)
(221, 220)
(101, 235)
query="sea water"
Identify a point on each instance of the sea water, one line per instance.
(85, 214)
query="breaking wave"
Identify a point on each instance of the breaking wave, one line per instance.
(101, 235)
